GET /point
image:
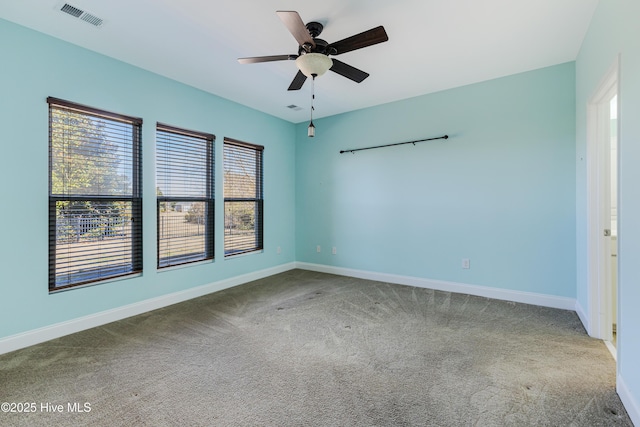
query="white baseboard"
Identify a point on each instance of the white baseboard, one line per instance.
(36, 336)
(629, 402)
(583, 317)
(440, 285)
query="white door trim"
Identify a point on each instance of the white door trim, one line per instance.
(598, 204)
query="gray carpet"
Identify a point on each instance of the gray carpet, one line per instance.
(311, 349)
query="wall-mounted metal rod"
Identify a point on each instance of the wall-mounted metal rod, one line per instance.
(391, 145)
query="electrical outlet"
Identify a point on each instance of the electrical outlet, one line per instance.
(334, 250)
(318, 249)
(466, 264)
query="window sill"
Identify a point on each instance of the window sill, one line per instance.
(243, 254)
(100, 282)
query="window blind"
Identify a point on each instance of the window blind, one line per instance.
(243, 197)
(185, 202)
(95, 204)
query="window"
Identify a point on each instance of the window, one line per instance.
(185, 195)
(95, 204)
(242, 197)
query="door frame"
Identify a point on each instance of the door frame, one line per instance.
(599, 204)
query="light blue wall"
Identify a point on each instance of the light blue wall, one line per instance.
(614, 30)
(34, 66)
(500, 191)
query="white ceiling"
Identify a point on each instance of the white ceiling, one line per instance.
(433, 44)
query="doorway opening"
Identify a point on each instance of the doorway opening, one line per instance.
(602, 199)
(613, 144)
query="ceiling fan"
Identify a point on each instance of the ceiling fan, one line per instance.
(313, 54)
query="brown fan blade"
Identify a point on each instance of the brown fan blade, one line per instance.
(256, 59)
(296, 27)
(348, 71)
(364, 39)
(298, 81)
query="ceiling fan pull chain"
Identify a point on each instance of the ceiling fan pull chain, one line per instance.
(311, 130)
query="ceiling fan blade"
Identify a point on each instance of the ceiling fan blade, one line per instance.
(296, 27)
(364, 39)
(348, 71)
(256, 59)
(298, 81)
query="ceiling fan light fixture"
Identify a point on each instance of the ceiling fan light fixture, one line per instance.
(313, 63)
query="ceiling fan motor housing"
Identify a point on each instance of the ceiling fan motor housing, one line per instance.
(321, 47)
(314, 28)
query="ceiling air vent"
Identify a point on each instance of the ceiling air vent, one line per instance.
(73, 11)
(79, 13)
(93, 20)
(294, 107)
